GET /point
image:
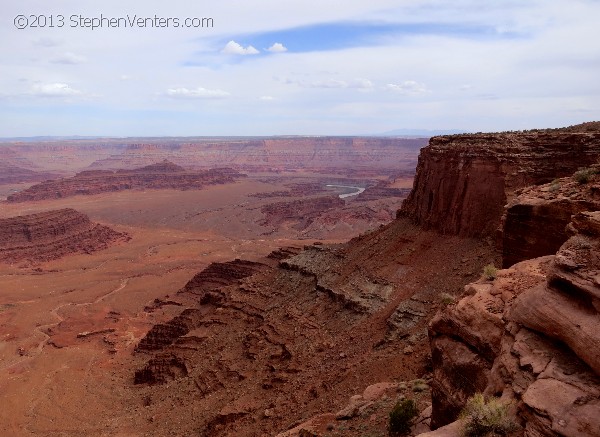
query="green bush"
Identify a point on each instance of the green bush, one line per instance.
(418, 385)
(401, 417)
(481, 418)
(585, 175)
(554, 186)
(447, 299)
(489, 272)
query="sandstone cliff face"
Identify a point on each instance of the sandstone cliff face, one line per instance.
(463, 181)
(165, 175)
(53, 154)
(534, 223)
(533, 336)
(276, 153)
(51, 235)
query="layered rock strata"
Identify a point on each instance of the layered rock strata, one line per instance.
(262, 345)
(534, 223)
(51, 235)
(276, 153)
(464, 181)
(11, 174)
(165, 175)
(301, 211)
(531, 336)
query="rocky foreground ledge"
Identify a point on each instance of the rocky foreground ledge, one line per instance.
(51, 235)
(531, 336)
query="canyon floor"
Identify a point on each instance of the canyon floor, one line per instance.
(69, 326)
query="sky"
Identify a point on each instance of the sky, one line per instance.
(296, 67)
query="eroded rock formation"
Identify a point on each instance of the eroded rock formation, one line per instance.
(532, 336)
(10, 174)
(164, 175)
(302, 211)
(264, 345)
(464, 181)
(534, 223)
(51, 235)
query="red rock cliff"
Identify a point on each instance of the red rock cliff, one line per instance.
(164, 175)
(534, 223)
(531, 336)
(51, 235)
(464, 181)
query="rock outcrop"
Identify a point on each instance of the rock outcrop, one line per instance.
(534, 223)
(51, 235)
(10, 174)
(464, 181)
(532, 336)
(264, 345)
(302, 211)
(215, 276)
(165, 175)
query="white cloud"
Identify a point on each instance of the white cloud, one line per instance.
(277, 48)
(328, 83)
(360, 84)
(548, 68)
(233, 48)
(69, 58)
(197, 93)
(363, 84)
(267, 98)
(54, 90)
(408, 87)
(46, 42)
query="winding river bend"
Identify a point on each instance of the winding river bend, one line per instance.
(357, 191)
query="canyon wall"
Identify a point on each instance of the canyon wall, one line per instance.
(464, 181)
(531, 336)
(534, 223)
(165, 175)
(11, 174)
(276, 153)
(359, 154)
(51, 235)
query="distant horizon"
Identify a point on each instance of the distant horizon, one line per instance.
(312, 68)
(395, 133)
(416, 133)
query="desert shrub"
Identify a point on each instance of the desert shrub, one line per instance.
(481, 418)
(447, 299)
(584, 176)
(401, 417)
(554, 186)
(489, 272)
(418, 385)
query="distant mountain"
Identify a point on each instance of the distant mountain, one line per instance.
(47, 138)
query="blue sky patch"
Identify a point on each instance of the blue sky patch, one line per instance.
(342, 35)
